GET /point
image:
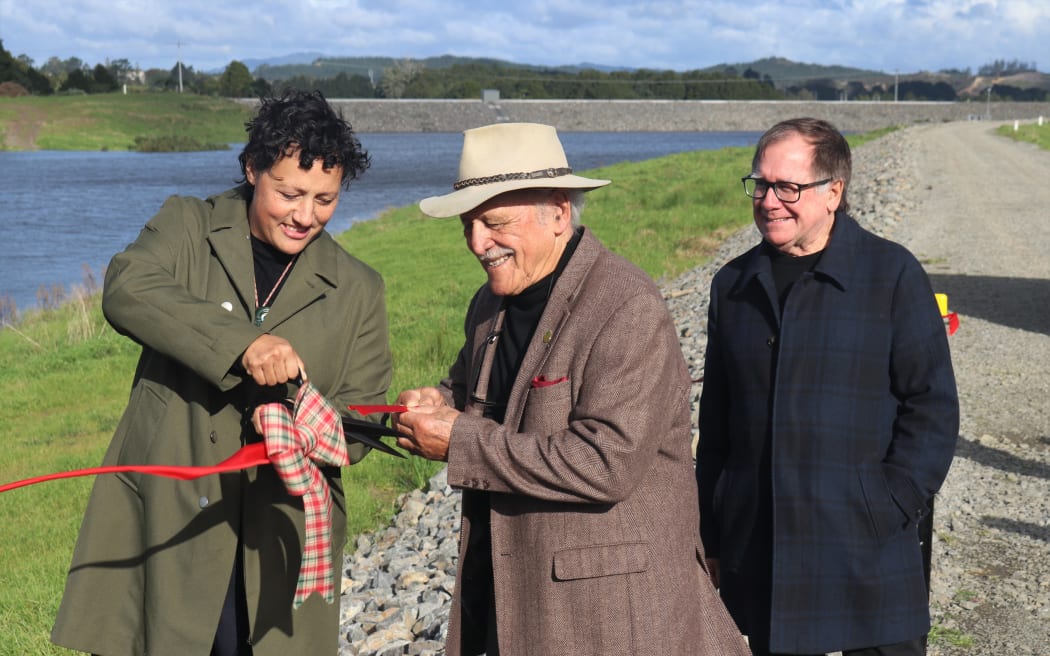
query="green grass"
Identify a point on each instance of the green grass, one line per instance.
(1031, 132)
(65, 375)
(112, 121)
(940, 635)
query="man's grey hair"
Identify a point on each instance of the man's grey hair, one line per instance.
(577, 199)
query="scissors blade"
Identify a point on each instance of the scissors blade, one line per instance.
(368, 433)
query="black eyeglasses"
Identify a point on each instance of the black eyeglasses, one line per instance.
(787, 192)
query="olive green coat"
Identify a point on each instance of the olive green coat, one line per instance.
(154, 557)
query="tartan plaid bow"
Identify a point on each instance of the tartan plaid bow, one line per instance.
(296, 442)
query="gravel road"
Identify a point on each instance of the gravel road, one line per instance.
(981, 230)
(975, 209)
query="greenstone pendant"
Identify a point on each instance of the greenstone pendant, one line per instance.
(260, 314)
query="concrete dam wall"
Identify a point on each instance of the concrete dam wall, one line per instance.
(666, 115)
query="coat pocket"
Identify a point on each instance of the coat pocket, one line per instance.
(547, 409)
(601, 560)
(142, 421)
(885, 516)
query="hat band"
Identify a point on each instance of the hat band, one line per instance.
(504, 177)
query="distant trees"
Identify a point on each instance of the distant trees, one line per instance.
(398, 78)
(236, 81)
(409, 79)
(1001, 67)
(1007, 92)
(456, 77)
(914, 90)
(99, 80)
(818, 89)
(340, 86)
(121, 70)
(21, 72)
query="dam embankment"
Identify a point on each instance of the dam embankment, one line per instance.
(666, 115)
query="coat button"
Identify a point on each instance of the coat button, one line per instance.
(212, 437)
(771, 340)
(203, 502)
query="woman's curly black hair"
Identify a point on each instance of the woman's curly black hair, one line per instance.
(305, 121)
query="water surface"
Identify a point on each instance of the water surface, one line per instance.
(67, 212)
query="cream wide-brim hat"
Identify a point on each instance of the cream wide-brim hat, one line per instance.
(505, 157)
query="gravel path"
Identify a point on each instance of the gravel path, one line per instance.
(975, 208)
(981, 229)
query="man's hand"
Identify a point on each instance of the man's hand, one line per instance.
(427, 426)
(271, 360)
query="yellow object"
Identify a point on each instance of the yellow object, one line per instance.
(942, 303)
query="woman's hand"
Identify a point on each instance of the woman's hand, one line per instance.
(271, 360)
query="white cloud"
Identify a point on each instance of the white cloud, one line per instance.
(888, 35)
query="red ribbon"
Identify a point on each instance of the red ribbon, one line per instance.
(373, 409)
(294, 441)
(251, 455)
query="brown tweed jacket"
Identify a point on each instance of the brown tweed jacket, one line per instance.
(593, 503)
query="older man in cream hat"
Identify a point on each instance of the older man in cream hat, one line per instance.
(565, 421)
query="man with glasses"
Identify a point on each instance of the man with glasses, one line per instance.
(828, 416)
(565, 422)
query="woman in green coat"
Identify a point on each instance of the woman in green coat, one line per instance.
(232, 298)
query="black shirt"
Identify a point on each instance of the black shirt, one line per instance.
(523, 312)
(787, 269)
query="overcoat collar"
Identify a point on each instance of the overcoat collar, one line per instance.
(314, 273)
(835, 265)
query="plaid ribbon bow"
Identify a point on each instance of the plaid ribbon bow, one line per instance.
(297, 441)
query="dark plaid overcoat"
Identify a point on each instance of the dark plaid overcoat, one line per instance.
(824, 430)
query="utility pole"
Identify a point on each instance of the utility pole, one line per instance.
(179, 46)
(988, 105)
(895, 79)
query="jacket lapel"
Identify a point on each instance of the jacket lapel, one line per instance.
(314, 273)
(229, 240)
(312, 276)
(841, 252)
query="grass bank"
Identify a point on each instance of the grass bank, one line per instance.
(113, 121)
(1030, 132)
(64, 374)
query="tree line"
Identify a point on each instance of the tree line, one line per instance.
(410, 78)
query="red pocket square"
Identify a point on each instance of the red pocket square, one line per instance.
(541, 381)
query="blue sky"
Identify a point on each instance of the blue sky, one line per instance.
(888, 35)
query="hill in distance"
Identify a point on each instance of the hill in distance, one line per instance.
(317, 65)
(782, 72)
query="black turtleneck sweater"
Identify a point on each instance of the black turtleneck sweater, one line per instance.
(523, 312)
